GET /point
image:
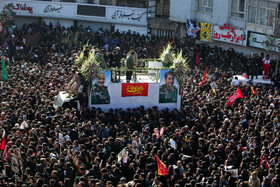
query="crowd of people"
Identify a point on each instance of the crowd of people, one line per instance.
(206, 143)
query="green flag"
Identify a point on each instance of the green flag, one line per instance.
(4, 71)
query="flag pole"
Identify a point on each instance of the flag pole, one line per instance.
(59, 148)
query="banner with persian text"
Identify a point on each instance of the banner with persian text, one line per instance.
(193, 29)
(263, 41)
(79, 11)
(227, 33)
(135, 89)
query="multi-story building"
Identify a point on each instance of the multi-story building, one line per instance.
(246, 25)
(158, 18)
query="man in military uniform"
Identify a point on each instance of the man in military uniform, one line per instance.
(167, 91)
(168, 59)
(119, 57)
(129, 64)
(113, 59)
(135, 56)
(99, 93)
(118, 61)
(113, 64)
(100, 59)
(105, 56)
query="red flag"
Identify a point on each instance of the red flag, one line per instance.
(197, 58)
(172, 41)
(235, 96)
(267, 163)
(1, 27)
(256, 92)
(162, 169)
(156, 132)
(161, 131)
(204, 77)
(4, 148)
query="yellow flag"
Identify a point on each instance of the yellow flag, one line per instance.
(187, 138)
(214, 91)
(253, 91)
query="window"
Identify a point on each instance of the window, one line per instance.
(261, 12)
(205, 6)
(237, 8)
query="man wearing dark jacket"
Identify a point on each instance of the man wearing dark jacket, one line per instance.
(129, 63)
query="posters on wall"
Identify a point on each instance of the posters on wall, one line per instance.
(168, 90)
(193, 29)
(99, 90)
(199, 30)
(263, 41)
(227, 33)
(205, 32)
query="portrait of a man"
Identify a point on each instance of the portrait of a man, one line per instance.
(167, 91)
(99, 93)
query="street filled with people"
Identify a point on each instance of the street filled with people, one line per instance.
(205, 143)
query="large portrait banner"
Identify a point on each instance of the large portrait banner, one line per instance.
(169, 87)
(99, 89)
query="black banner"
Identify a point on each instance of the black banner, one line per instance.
(86, 10)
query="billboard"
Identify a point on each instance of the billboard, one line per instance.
(263, 41)
(227, 33)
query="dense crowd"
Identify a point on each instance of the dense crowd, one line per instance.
(66, 147)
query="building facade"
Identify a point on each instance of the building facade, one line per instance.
(158, 19)
(246, 25)
(113, 15)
